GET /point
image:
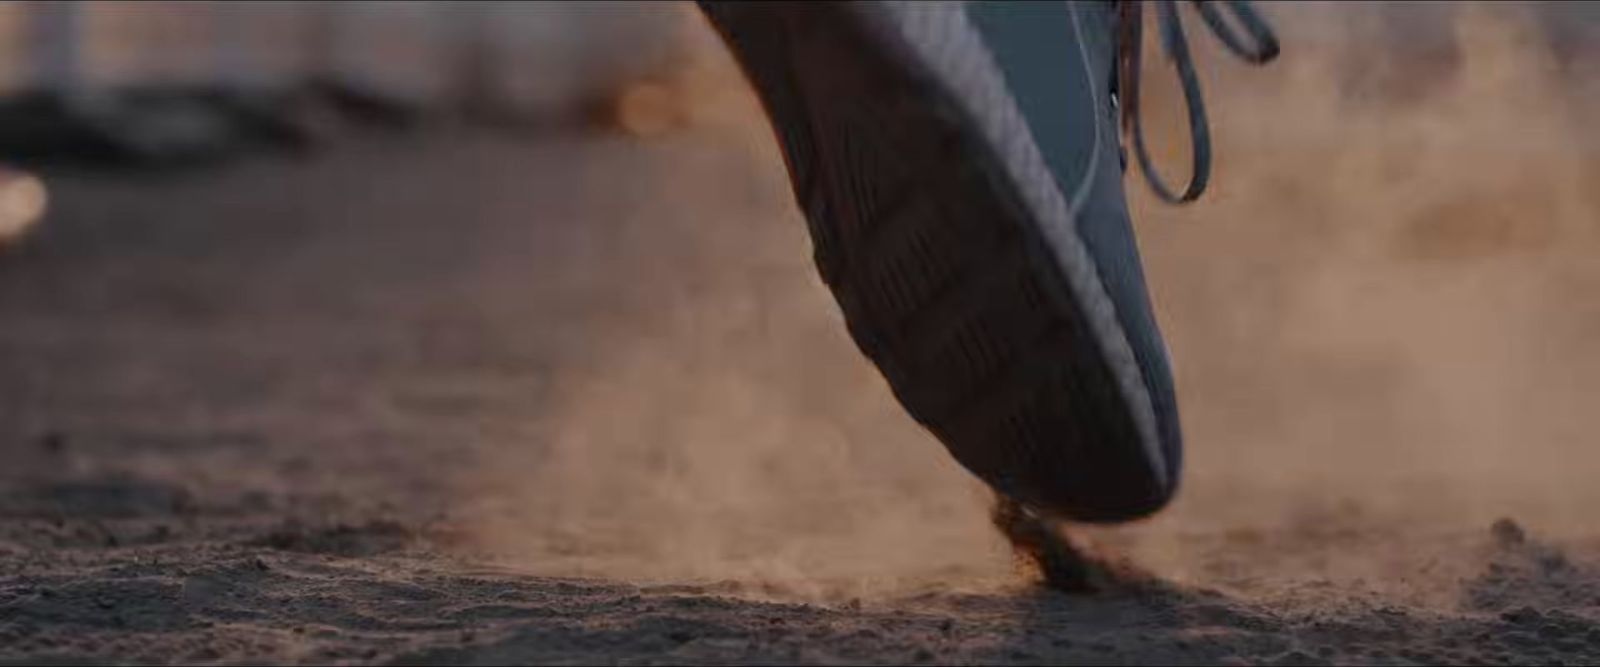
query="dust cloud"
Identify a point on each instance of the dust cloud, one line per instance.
(711, 420)
(1391, 291)
(1383, 314)
(1383, 318)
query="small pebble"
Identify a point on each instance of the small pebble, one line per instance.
(1507, 533)
(1293, 658)
(1524, 615)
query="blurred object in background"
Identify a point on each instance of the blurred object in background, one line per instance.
(23, 199)
(1572, 32)
(180, 82)
(645, 109)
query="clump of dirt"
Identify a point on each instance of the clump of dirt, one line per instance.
(1044, 549)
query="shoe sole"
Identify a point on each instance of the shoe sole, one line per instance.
(951, 251)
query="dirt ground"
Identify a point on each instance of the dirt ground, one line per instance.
(577, 397)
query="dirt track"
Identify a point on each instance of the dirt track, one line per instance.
(580, 399)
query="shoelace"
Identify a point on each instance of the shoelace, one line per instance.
(1263, 48)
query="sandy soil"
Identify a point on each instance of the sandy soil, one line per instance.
(470, 398)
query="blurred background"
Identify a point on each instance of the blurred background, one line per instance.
(177, 80)
(527, 280)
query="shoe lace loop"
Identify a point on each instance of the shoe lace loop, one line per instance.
(1262, 47)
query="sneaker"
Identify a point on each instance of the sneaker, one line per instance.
(960, 170)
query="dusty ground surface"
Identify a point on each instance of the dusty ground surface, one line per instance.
(465, 398)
